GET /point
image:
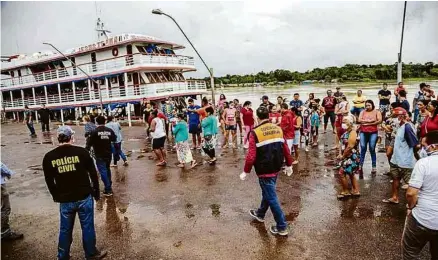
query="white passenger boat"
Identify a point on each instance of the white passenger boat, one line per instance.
(127, 68)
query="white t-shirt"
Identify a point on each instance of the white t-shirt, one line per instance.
(425, 178)
(159, 128)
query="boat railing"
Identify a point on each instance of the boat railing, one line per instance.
(99, 67)
(115, 93)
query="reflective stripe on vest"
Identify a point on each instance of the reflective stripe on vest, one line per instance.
(267, 134)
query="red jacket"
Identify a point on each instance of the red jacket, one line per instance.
(251, 157)
(287, 124)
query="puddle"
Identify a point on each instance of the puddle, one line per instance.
(291, 216)
(189, 205)
(215, 210)
(161, 177)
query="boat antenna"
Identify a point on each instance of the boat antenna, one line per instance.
(100, 27)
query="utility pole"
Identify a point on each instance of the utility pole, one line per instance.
(210, 70)
(399, 58)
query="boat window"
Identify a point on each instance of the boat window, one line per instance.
(113, 80)
(154, 77)
(141, 49)
(129, 77)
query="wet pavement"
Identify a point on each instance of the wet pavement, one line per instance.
(202, 213)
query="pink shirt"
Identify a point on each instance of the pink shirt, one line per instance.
(230, 116)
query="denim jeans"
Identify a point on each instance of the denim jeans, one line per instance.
(416, 113)
(31, 128)
(365, 139)
(356, 111)
(415, 237)
(270, 200)
(85, 210)
(116, 149)
(103, 166)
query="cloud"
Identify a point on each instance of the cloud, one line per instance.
(239, 37)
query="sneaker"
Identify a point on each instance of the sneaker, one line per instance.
(274, 230)
(374, 171)
(295, 162)
(307, 149)
(125, 163)
(253, 213)
(11, 235)
(99, 255)
(108, 193)
(113, 165)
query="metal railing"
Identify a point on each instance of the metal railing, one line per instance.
(120, 93)
(105, 66)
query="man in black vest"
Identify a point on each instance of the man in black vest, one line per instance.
(101, 139)
(45, 118)
(266, 152)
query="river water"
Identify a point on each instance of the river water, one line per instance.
(254, 94)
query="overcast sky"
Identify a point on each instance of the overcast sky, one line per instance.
(238, 37)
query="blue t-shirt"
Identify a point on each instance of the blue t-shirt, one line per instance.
(193, 116)
(405, 141)
(296, 103)
(405, 104)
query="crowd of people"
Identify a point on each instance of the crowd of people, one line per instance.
(272, 137)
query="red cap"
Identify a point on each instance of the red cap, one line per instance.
(399, 111)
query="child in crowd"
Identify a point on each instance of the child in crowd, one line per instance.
(315, 121)
(306, 127)
(229, 117)
(274, 115)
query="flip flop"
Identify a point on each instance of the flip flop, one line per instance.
(390, 201)
(194, 164)
(341, 196)
(355, 194)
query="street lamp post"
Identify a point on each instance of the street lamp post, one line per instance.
(210, 71)
(399, 61)
(89, 77)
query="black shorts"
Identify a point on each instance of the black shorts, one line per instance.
(330, 115)
(195, 129)
(231, 127)
(158, 143)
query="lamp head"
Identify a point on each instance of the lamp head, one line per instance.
(157, 11)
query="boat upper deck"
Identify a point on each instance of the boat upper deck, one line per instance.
(21, 60)
(120, 64)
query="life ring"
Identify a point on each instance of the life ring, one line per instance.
(115, 52)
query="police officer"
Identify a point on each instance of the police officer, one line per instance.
(68, 170)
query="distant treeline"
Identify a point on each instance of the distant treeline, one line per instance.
(349, 72)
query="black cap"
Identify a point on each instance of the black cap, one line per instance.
(265, 97)
(262, 112)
